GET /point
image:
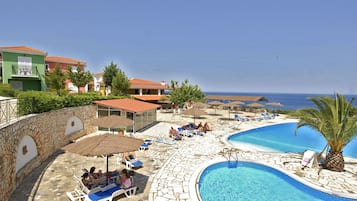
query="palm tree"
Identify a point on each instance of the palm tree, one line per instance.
(335, 119)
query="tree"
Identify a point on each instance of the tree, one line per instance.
(78, 77)
(120, 84)
(110, 72)
(55, 80)
(185, 93)
(335, 119)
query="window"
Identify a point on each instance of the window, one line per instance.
(25, 65)
(47, 67)
(74, 69)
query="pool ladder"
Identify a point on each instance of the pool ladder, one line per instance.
(231, 154)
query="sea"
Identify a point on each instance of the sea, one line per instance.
(290, 101)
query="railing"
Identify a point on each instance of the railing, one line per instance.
(231, 154)
(24, 72)
(9, 111)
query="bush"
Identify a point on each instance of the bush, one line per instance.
(41, 101)
(7, 91)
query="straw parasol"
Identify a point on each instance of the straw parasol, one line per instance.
(275, 104)
(255, 105)
(199, 105)
(215, 104)
(104, 145)
(112, 122)
(195, 112)
(232, 104)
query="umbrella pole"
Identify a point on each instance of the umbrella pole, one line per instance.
(108, 176)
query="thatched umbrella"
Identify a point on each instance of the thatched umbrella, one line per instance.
(112, 122)
(275, 104)
(232, 104)
(104, 145)
(255, 105)
(195, 112)
(199, 105)
(215, 104)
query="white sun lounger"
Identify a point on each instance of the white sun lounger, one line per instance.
(309, 159)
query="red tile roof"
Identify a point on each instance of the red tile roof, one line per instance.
(147, 97)
(136, 83)
(64, 60)
(22, 49)
(127, 104)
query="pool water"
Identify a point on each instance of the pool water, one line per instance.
(282, 138)
(252, 181)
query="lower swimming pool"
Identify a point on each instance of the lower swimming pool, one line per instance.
(253, 181)
(281, 137)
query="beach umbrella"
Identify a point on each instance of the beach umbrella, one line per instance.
(104, 145)
(255, 105)
(232, 104)
(275, 104)
(215, 104)
(112, 122)
(195, 112)
(199, 105)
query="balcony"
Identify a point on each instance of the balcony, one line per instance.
(25, 72)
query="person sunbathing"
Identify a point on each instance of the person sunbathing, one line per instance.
(206, 127)
(173, 131)
(129, 156)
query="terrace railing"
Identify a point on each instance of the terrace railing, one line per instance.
(10, 111)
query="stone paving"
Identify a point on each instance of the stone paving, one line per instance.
(169, 169)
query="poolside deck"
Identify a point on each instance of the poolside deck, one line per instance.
(168, 169)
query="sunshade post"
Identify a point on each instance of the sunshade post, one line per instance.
(108, 176)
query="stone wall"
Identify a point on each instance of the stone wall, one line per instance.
(48, 132)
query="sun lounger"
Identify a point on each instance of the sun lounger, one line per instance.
(240, 118)
(76, 195)
(148, 141)
(309, 159)
(111, 193)
(164, 141)
(143, 147)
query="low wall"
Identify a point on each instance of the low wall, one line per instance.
(27, 143)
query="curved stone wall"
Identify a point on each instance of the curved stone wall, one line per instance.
(47, 133)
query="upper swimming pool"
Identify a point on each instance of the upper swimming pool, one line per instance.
(281, 138)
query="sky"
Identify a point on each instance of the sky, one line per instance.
(279, 46)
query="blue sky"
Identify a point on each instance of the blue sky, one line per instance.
(305, 46)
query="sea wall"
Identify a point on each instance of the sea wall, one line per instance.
(28, 142)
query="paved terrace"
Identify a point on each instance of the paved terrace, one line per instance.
(168, 169)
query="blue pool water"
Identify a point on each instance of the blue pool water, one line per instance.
(252, 181)
(281, 138)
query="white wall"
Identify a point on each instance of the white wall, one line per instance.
(74, 124)
(26, 151)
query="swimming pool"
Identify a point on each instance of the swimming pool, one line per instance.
(281, 138)
(253, 181)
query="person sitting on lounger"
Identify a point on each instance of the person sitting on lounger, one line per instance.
(125, 181)
(175, 134)
(88, 181)
(173, 131)
(206, 127)
(129, 156)
(95, 175)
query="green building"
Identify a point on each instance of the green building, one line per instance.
(23, 67)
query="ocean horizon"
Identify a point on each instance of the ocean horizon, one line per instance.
(291, 101)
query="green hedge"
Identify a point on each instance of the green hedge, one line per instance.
(7, 91)
(41, 101)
